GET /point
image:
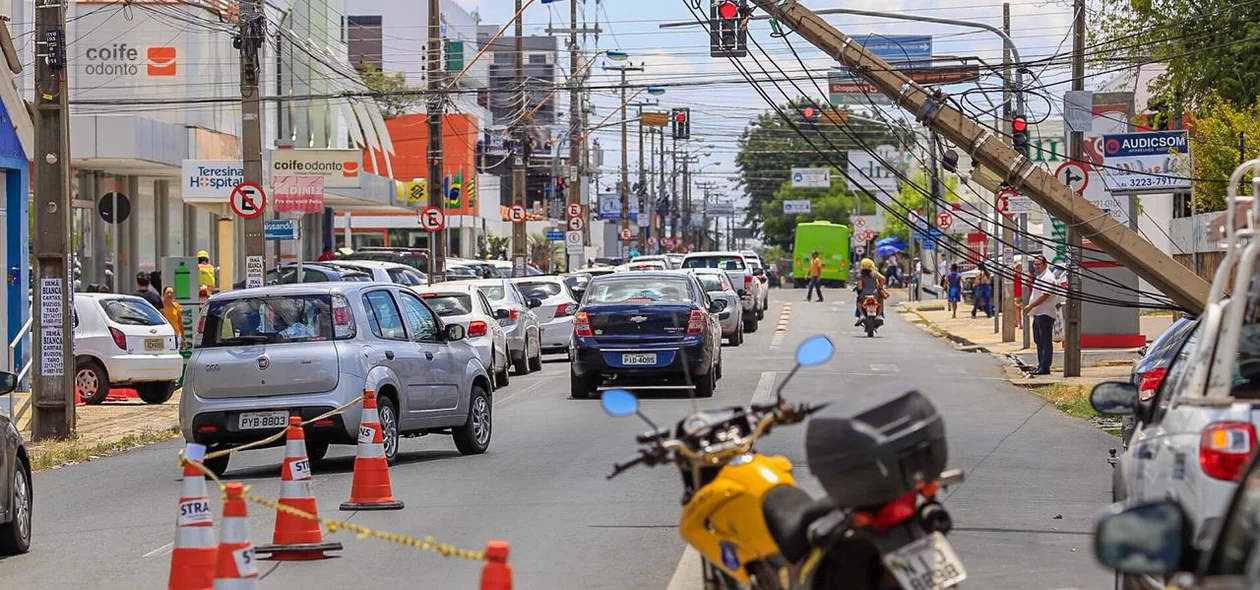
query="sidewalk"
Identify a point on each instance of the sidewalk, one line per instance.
(102, 430)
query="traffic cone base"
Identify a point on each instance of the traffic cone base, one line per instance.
(370, 488)
(296, 538)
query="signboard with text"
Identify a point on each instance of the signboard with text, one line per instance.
(297, 194)
(811, 178)
(1154, 161)
(339, 168)
(210, 179)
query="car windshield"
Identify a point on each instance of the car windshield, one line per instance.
(722, 262)
(267, 320)
(711, 282)
(449, 304)
(577, 281)
(132, 312)
(539, 289)
(638, 290)
(492, 292)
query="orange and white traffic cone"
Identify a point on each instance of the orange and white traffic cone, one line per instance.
(296, 538)
(192, 559)
(236, 569)
(496, 574)
(370, 488)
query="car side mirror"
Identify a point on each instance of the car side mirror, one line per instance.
(717, 305)
(8, 382)
(535, 302)
(455, 332)
(502, 314)
(1150, 539)
(1114, 398)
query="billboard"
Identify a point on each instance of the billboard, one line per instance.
(811, 178)
(340, 168)
(873, 175)
(210, 180)
(610, 206)
(1155, 161)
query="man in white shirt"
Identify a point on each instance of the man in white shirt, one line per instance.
(1041, 308)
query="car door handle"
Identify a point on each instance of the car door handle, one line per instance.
(389, 354)
(428, 355)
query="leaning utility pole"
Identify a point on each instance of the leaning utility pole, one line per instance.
(520, 158)
(624, 187)
(433, 75)
(52, 367)
(253, 33)
(1076, 152)
(987, 150)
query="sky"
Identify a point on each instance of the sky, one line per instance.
(720, 111)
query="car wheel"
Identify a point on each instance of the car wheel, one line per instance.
(388, 415)
(92, 382)
(15, 536)
(535, 362)
(316, 451)
(580, 387)
(521, 363)
(718, 369)
(750, 325)
(473, 438)
(707, 383)
(156, 393)
(761, 312)
(738, 337)
(501, 376)
(218, 465)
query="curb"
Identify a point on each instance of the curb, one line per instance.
(943, 333)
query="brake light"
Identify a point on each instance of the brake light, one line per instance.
(120, 339)
(343, 320)
(747, 281)
(566, 309)
(1224, 448)
(476, 328)
(513, 315)
(894, 512)
(1150, 383)
(695, 323)
(201, 329)
(582, 325)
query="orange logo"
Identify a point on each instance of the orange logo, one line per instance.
(350, 169)
(161, 61)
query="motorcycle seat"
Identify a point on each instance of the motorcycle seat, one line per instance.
(788, 512)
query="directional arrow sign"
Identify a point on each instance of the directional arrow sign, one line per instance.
(1073, 175)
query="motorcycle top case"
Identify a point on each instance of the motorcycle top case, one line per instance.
(871, 448)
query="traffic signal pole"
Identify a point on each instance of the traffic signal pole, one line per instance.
(987, 149)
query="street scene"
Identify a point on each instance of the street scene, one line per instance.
(693, 295)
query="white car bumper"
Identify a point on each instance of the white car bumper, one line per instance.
(139, 368)
(557, 333)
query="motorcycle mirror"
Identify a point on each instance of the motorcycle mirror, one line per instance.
(619, 403)
(812, 351)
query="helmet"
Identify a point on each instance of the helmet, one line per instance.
(203, 254)
(867, 264)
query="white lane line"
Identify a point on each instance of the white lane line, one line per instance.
(777, 341)
(163, 550)
(541, 381)
(765, 384)
(688, 576)
(885, 369)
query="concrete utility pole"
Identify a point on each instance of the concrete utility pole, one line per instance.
(576, 139)
(520, 237)
(1072, 317)
(1127, 246)
(253, 34)
(644, 207)
(434, 108)
(624, 187)
(52, 370)
(1008, 232)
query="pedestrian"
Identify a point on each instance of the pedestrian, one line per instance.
(171, 310)
(916, 279)
(1018, 287)
(952, 285)
(143, 290)
(326, 255)
(982, 293)
(1041, 309)
(205, 270)
(815, 278)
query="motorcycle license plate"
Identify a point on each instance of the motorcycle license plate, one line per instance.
(256, 420)
(638, 359)
(872, 309)
(927, 564)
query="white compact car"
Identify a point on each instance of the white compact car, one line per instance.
(556, 312)
(121, 340)
(464, 304)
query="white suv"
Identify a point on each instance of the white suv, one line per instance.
(121, 340)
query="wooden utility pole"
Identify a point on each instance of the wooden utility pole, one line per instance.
(1076, 152)
(52, 370)
(1117, 239)
(436, 103)
(252, 34)
(520, 159)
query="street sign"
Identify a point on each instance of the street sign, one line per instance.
(944, 220)
(1073, 176)
(1078, 110)
(248, 200)
(811, 178)
(625, 234)
(516, 213)
(432, 219)
(651, 240)
(573, 209)
(255, 271)
(573, 242)
(797, 206)
(860, 250)
(555, 235)
(576, 224)
(105, 207)
(859, 221)
(275, 230)
(915, 218)
(1002, 200)
(1019, 204)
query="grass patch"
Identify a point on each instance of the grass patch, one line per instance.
(47, 455)
(1070, 399)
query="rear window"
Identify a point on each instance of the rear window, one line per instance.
(540, 289)
(722, 262)
(711, 282)
(634, 290)
(403, 277)
(461, 271)
(267, 320)
(449, 304)
(355, 277)
(132, 312)
(492, 292)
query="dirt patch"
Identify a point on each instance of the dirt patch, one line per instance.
(106, 429)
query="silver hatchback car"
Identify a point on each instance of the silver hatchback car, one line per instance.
(262, 355)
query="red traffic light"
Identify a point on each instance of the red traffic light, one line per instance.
(681, 117)
(728, 10)
(1019, 124)
(809, 113)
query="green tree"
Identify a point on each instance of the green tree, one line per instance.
(1216, 130)
(833, 204)
(1208, 46)
(911, 199)
(391, 92)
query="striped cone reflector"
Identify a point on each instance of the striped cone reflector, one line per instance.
(193, 558)
(236, 568)
(370, 489)
(296, 538)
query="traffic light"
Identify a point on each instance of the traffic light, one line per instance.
(1019, 139)
(810, 113)
(680, 119)
(560, 186)
(727, 35)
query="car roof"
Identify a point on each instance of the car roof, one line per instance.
(385, 264)
(98, 296)
(647, 274)
(713, 253)
(320, 288)
(447, 287)
(538, 279)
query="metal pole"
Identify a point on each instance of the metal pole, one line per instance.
(520, 235)
(686, 206)
(664, 221)
(625, 174)
(673, 192)
(1023, 227)
(1072, 331)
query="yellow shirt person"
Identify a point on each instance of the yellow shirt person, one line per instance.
(205, 270)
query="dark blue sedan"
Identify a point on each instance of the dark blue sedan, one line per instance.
(646, 330)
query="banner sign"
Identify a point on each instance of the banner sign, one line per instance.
(210, 179)
(610, 207)
(1155, 161)
(339, 168)
(297, 194)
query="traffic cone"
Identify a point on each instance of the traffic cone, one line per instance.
(78, 401)
(296, 538)
(496, 574)
(370, 489)
(236, 569)
(192, 560)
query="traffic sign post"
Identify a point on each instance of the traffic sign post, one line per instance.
(625, 234)
(944, 220)
(573, 242)
(573, 210)
(248, 200)
(516, 213)
(576, 224)
(1073, 175)
(432, 219)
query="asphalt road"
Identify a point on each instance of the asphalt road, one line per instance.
(1036, 479)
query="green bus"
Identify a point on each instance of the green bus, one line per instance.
(831, 240)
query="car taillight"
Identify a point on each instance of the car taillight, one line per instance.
(120, 339)
(1150, 383)
(513, 315)
(477, 328)
(747, 281)
(201, 329)
(566, 309)
(582, 325)
(695, 322)
(1224, 448)
(343, 320)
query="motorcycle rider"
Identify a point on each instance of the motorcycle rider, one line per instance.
(868, 284)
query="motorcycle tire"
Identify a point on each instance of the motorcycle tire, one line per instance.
(870, 331)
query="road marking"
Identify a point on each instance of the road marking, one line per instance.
(885, 369)
(688, 576)
(777, 341)
(762, 393)
(542, 380)
(784, 318)
(163, 550)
